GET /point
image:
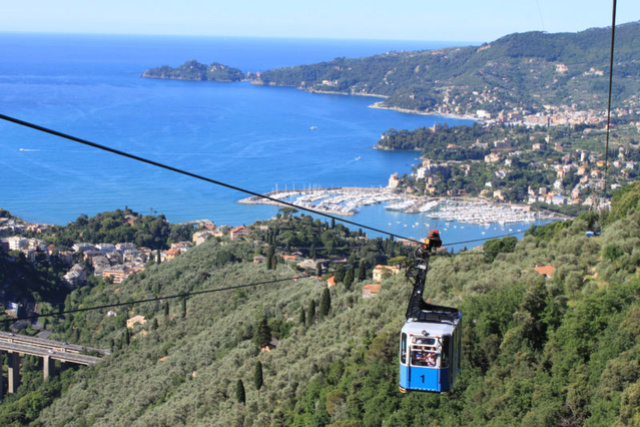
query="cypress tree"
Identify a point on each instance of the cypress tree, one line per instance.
(270, 258)
(240, 394)
(303, 316)
(127, 338)
(319, 268)
(184, 308)
(166, 309)
(158, 257)
(262, 336)
(311, 318)
(348, 278)
(312, 251)
(325, 303)
(362, 271)
(339, 273)
(257, 375)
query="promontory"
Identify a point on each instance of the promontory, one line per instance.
(194, 70)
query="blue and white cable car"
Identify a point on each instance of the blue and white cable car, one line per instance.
(430, 341)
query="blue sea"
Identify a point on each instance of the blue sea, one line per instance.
(255, 137)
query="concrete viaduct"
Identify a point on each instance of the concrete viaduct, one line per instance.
(16, 344)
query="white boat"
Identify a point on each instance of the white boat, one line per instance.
(400, 206)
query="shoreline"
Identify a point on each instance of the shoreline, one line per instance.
(379, 106)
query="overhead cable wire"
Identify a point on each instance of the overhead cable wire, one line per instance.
(485, 238)
(606, 148)
(193, 175)
(162, 298)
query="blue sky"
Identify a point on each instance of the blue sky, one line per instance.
(461, 20)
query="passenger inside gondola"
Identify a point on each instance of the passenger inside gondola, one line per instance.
(418, 358)
(431, 359)
(423, 358)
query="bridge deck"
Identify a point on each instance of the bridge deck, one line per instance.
(56, 350)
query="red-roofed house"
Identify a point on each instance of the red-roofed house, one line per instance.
(238, 231)
(369, 291)
(331, 282)
(117, 273)
(171, 254)
(546, 270)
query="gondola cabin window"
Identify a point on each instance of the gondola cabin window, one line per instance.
(446, 351)
(403, 349)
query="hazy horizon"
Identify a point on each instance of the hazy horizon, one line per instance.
(411, 20)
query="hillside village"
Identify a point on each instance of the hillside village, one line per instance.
(90, 263)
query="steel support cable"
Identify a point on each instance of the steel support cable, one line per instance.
(120, 304)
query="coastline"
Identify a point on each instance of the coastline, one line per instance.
(378, 105)
(330, 92)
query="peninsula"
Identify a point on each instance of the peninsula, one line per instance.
(519, 78)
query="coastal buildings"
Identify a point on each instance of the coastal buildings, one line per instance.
(380, 271)
(370, 291)
(238, 231)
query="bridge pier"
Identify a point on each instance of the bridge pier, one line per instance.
(13, 372)
(47, 367)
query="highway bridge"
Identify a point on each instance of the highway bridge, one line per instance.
(48, 350)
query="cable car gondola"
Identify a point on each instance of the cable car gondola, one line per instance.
(430, 341)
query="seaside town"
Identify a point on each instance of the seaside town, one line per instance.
(554, 115)
(575, 178)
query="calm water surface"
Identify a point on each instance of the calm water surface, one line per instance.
(249, 136)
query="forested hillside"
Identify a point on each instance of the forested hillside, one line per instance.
(521, 71)
(560, 350)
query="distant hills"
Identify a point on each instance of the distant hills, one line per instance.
(518, 71)
(521, 71)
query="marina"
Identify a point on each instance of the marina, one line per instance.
(348, 201)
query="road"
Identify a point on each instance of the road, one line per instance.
(56, 350)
